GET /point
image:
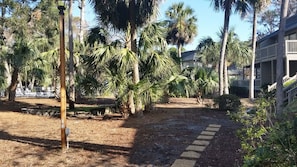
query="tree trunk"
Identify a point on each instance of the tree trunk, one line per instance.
(179, 50)
(71, 62)
(55, 82)
(31, 85)
(82, 20)
(226, 78)
(13, 85)
(8, 77)
(280, 52)
(252, 67)
(223, 49)
(133, 36)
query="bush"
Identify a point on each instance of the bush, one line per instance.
(268, 139)
(239, 91)
(228, 102)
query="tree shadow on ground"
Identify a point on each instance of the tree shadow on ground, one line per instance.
(159, 142)
(14, 106)
(161, 136)
(55, 144)
(109, 152)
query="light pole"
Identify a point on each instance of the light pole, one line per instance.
(62, 78)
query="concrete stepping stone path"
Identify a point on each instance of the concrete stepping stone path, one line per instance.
(193, 152)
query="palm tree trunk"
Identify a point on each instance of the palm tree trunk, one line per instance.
(179, 50)
(133, 36)
(71, 62)
(280, 53)
(252, 68)
(82, 17)
(223, 49)
(13, 85)
(226, 80)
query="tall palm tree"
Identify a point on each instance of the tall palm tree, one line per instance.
(226, 5)
(257, 6)
(128, 16)
(81, 21)
(237, 53)
(182, 27)
(280, 52)
(71, 59)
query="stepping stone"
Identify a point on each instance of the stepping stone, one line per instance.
(190, 154)
(208, 133)
(204, 137)
(195, 148)
(201, 142)
(212, 129)
(183, 163)
(214, 125)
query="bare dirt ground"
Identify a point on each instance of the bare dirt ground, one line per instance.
(156, 139)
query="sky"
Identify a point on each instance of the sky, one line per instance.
(209, 21)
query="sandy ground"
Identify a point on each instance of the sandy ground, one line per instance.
(156, 139)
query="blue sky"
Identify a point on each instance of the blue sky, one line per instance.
(209, 21)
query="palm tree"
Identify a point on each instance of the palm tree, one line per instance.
(155, 60)
(237, 53)
(226, 5)
(21, 53)
(280, 52)
(139, 13)
(257, 6)
(111, 65)
(182, 27)
(209, 50)
(71, 59)
(81, 21)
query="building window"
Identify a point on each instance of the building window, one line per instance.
(292, 36)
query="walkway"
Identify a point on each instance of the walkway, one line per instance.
(193, 152)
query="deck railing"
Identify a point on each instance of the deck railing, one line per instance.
(291, 46)
(270, 52)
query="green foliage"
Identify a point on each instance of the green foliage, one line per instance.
(268, 139)
(87, 85)
(191, 81)
(228, 102)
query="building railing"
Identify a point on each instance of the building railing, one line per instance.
(270, 52)
(266, 53)
(245, 83)
(291, 46)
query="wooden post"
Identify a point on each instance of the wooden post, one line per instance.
(62, 80)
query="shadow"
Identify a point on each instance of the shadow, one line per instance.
(163, 135)
(37, 103)
(160, 137)
(56, 144)
(14, 106)
(96, 101)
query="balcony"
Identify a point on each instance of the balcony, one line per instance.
(270, 52)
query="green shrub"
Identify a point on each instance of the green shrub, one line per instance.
(267, 138)
(228, 102)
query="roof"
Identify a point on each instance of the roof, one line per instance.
(189, 55)
(291, 23)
